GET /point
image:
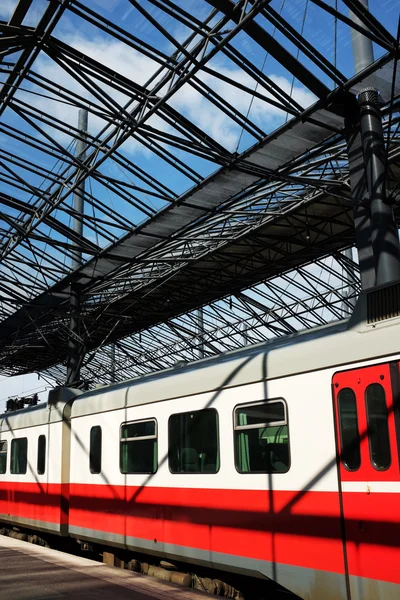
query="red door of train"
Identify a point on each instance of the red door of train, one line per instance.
(367, 427)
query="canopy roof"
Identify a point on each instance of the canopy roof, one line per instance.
(215, 160)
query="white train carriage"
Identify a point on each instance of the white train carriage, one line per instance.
(34, 466)
(278, 461)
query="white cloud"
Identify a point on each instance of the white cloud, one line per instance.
(117, 56)
(197, 108)
(219, 125)
(67, 113)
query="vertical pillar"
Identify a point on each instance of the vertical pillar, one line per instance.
(359, 191)
(245, 335)
(363, 53)
(348, 253)
(79, 195)
(384, 233)
(363, 56)
(112, 371)
(74, 343)
(200, 321)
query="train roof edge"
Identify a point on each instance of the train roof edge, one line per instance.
(56, 409)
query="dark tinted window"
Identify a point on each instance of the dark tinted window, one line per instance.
(41, 457)
(349, 434)
(3, 457)
(138, 447)
(193, 445)
(95, 449)
(378, 428)
(261, 437)
(19, 456)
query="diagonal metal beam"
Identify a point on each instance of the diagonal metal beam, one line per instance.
(274, 48)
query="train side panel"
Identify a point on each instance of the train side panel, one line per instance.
(34, 465)
(31, 494)
(281, 525)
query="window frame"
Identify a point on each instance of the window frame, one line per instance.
(341, 456)
(6, 453)
(11, 455)
(187, 412)
(42, 435)
(136, 439)
(92, 472)
(367, 416)
(280, 423)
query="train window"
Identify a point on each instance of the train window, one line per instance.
(19, 456)
(378, 428)
(95, 450)
(349, 434)
(41, 456)
(138, 447)
(3, 457)
(261, 437)
(193, 445)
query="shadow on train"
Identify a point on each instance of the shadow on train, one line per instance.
(273, 517)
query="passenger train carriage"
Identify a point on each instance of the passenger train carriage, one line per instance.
(278, 461)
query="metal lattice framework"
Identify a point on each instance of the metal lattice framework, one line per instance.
(215, 171)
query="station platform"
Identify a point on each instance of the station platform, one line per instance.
(29, 572)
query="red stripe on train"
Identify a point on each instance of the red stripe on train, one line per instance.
(296, 528)
(47, 502)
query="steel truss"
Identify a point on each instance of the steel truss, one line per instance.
(198, 222)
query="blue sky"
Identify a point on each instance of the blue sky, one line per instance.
(83, 36)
